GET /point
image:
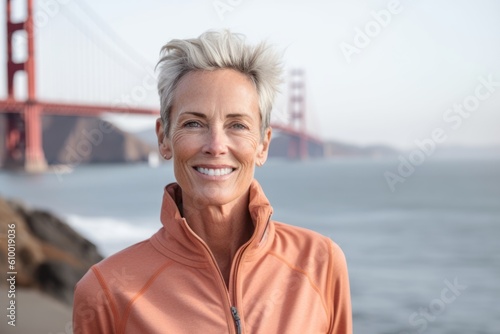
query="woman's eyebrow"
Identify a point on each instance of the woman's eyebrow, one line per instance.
(194, 113)
(238, 116)
(204, 116)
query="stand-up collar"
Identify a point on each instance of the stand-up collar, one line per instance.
(179, 240)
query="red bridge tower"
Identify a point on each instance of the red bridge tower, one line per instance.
(297, 149)
(23, 129)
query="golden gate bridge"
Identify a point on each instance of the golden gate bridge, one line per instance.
(23, 115)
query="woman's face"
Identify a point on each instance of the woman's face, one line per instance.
(214, 137)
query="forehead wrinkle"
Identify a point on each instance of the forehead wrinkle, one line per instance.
(219, 105)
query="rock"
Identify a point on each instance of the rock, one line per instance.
(53, 231)
(50, 255)
(29, 252)
(58, 279)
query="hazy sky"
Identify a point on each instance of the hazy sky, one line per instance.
(387, 72)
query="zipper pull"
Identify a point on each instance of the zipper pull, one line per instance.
(237, 320)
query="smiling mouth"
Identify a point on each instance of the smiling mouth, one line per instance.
(214, 171)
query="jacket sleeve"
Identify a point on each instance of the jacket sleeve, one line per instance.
(92, 306)
(340, 294)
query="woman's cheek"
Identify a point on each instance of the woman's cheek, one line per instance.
(249, 141)
(182, 141)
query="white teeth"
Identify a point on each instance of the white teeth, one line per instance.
(216, 172)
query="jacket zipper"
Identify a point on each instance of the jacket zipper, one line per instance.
(214, 263)
(265, 228)
(239, 255)
(234, 310)
(237, 320)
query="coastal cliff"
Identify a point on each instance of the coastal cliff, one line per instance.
(75, 140)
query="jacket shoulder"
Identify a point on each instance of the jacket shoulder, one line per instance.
(305, 247)
(324, 263)
(302, 237)
(117, 267)
(103, 293)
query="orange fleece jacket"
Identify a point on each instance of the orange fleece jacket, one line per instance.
(284, 280)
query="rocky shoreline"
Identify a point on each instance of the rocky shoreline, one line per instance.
(44, 252)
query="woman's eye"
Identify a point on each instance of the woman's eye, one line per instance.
(192, 124)
(239, 126)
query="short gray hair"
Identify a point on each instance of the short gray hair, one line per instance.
(215, 50)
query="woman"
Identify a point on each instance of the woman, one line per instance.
(219, 264)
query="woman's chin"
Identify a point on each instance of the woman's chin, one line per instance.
(213, 196)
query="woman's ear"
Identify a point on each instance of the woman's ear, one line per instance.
(264, 147)
(163, 142)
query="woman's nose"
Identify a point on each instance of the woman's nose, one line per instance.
(216, 142)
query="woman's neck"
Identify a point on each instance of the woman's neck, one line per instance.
(223, 228)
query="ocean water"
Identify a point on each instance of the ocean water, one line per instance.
(424, 258)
